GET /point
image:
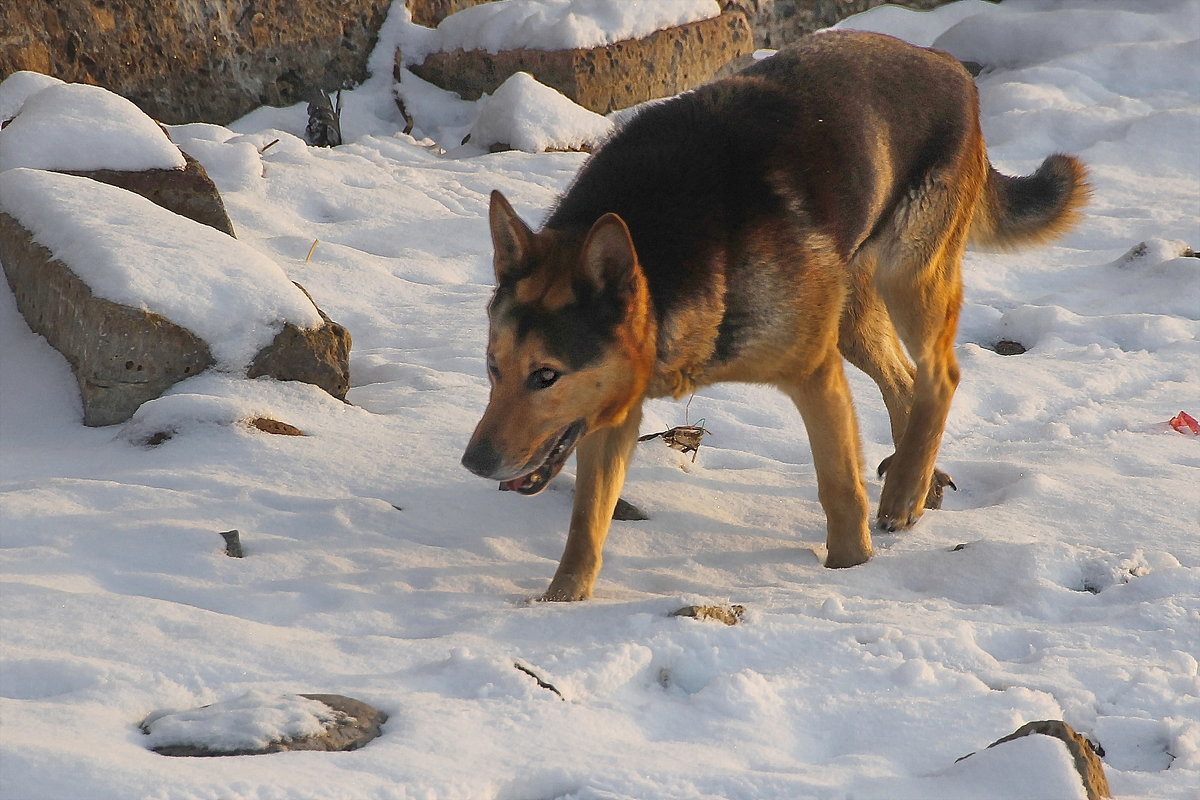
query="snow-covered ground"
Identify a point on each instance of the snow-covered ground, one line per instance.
(378, 568)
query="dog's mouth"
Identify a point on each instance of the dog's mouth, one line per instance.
(537, 480)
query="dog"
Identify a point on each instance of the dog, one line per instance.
(760, 228)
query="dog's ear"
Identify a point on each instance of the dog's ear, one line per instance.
(511, 238)
(608, 258)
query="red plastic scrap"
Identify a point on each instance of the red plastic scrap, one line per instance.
(1185, 423)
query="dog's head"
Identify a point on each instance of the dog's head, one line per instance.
(571, 345)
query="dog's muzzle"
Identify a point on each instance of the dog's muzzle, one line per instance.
(484, 460)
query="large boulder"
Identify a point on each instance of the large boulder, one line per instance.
(190, 60)
(121, 356)
(138, 298)
(603, 78)
(430, 12)
(89, 131)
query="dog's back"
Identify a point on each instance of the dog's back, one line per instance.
(823, 136)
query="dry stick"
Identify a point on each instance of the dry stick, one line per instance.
(539, 680)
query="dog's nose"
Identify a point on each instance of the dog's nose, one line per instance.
(481, 458)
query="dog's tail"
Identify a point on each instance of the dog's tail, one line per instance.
(1016, 211)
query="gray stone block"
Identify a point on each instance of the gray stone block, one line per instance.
(124, 356)
(121, 356)
(607, 78)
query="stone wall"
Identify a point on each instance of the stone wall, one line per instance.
(430, 12)
(194, 60)
(605, 78)
(774, 22)
(215, 60)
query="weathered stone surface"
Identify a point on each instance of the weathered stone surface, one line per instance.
(320, 356)
(358, 723)
(215, 60)
(430, 12)
(124, 356)
(188, 60)
(607, 78)
(1088, 764)
(121, 356)
(188, 192)
(268, 425)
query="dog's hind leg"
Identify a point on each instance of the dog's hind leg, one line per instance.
(867, 339)
(603, 457)
(920, 281)
(823, 398)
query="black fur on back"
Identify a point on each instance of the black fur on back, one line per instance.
(685, 175)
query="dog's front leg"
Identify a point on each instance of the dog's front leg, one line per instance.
(603, 457)
(823, 399)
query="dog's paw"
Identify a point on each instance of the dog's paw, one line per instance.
(567, 589)
(933, 498)
(890, 523)
(899, 508)
(846, 560)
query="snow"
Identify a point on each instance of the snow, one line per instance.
(530, 116)
(911, 25)
(74, 126)
(376, 567)
(131, 251)
(561, 24)
(19, 87)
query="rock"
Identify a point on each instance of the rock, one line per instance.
(320, 356)
(188, 192)
(107, 138)
(430, 12)
(349, 725)
(1091, 770)
(626, 511)
(233, 543)
(607, 78)
(185, 60)
(730, 615)
(121, 356)
(1007, 347)
(276, 427)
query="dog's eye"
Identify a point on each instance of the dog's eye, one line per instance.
(492, 368)
(542, 378)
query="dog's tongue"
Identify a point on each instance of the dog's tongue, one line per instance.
(523, 484)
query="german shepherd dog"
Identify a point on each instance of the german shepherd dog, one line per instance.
(761, 228)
